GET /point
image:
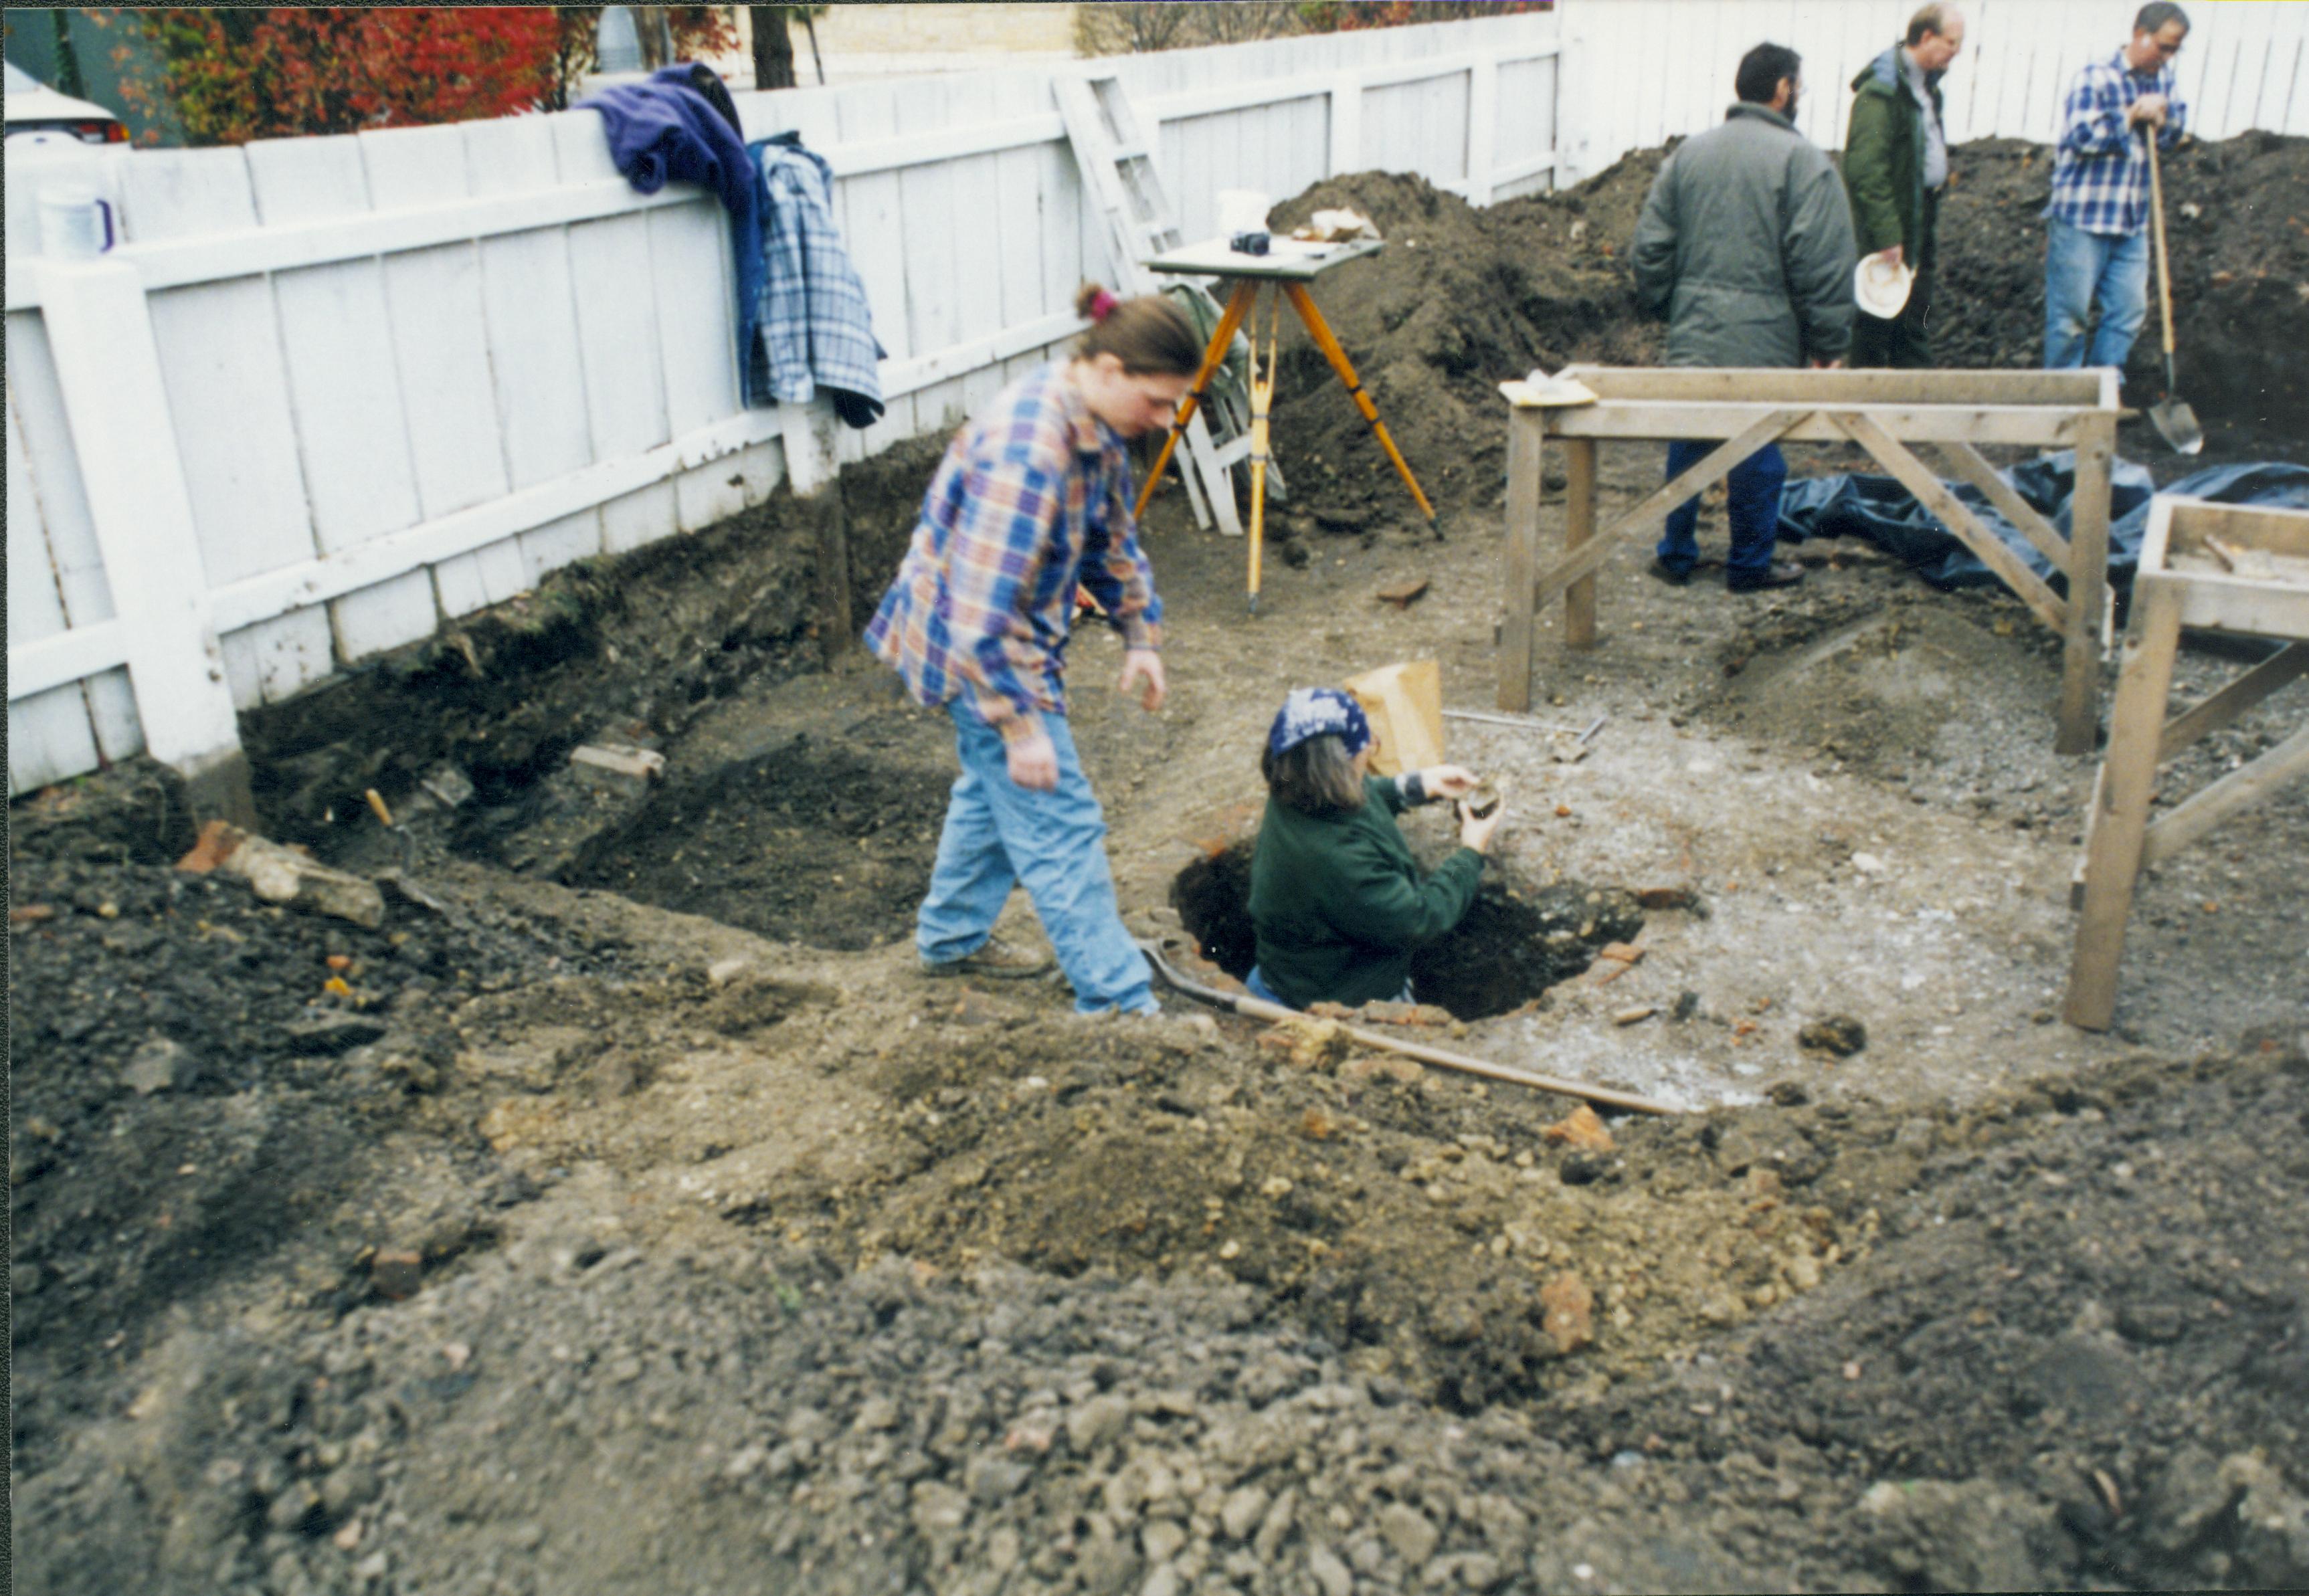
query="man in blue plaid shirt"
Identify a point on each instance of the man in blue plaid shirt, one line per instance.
(2097, 243)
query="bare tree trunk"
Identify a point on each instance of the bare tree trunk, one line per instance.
(810, 26)
(773, 60)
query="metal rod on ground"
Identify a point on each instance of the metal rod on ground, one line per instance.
(1258, 1009)
(1525, 723)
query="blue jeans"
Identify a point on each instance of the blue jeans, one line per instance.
(1255, 985)
(2079, 268)
(997, 835)
(1752, 508)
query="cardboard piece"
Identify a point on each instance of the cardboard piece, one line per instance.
(1404, 703)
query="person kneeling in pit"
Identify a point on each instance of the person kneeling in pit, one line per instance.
(1337, 902)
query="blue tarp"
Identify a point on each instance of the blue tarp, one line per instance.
(1878, 509)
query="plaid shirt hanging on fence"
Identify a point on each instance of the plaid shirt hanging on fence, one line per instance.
(2100, 169)
(817, 327)
(1032, 496)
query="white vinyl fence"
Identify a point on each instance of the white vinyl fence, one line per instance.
(330, 393)
(1643, 71)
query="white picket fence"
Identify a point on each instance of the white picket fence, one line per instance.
(1647, 71)
(331, 392)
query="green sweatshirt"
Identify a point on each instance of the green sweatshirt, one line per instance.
(1338, 905)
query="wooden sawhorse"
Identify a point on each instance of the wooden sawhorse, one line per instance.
(1288, 268)
(1883, 412)
(2219, 567)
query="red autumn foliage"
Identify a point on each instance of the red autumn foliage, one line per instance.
(233, 74)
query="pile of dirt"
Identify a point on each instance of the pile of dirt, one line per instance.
(201, 1083)
(1462, 298)
(1459, 300)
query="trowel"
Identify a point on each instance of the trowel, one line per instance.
(2171, 416)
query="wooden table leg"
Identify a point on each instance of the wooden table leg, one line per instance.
(2119, 820)
(1328, 343)
(2088, 589)
(1238, 305)
(1579, 527)
(1527, 431)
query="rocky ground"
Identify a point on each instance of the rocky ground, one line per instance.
(625, 1214)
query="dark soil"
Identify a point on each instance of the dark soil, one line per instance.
(808, 844)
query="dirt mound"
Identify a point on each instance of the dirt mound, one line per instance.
(1462, 298)
(1459, 300)
(1275, 1327)
(200, 1081)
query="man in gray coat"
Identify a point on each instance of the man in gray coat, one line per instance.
(1745, 245)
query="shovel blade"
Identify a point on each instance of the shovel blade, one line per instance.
(2176, 423)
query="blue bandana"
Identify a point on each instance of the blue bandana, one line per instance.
(1319, 712)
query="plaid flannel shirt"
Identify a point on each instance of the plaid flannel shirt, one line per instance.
(2100, 168)
(815, 324)
(1033, 496)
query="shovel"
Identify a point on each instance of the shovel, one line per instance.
(2172, 418)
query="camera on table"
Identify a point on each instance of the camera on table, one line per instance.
(1254, 243)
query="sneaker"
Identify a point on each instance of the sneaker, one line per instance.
(1659, 570)
(996, 958)
(1779, 574)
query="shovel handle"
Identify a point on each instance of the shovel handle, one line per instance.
(2164, 269)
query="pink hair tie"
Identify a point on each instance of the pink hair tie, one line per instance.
(1102, 305)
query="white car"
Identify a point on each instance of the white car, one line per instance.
(35, 108)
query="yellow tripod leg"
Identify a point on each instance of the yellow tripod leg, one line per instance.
(1262, 404)
(1238, 305)
(1328, 342)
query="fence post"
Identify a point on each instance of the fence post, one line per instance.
(1346, 122)
(1572, 152)
(1482, 125)
(108, 367)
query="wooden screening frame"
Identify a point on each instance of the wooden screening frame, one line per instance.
(1883, 412)
(2120, 837)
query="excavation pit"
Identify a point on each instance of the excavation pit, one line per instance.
(810, 842)
(1515, 941)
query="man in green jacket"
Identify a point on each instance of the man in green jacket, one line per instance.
(1745, 245)
(1895, 165)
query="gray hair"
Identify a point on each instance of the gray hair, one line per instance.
(2154, 15)
(1929, 19)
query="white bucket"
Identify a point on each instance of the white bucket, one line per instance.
(76, 223)
(1242, 211)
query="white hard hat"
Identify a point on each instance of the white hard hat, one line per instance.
(1881, 286)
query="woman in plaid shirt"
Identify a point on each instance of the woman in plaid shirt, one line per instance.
(1033, 497)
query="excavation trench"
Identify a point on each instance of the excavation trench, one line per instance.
(1516, 941)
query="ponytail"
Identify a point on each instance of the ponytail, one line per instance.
(1146, 333)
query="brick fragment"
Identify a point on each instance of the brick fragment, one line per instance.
(1570, 1312)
